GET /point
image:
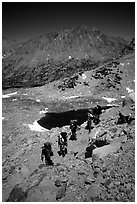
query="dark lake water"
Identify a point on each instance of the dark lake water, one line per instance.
(61, 119)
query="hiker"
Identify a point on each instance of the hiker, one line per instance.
(89, 121)
(47, 153)
(96, 113)
(62, 143)
(73, 127)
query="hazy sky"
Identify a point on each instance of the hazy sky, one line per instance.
(26, 20)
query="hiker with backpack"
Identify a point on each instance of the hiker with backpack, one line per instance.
(62, 144)
(73, 127)
(47, 153)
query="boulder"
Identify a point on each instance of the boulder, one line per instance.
(97, 132)
(107, 149)
(129, 100)
(94, 191)
(35, 195)
(58, 183)
(17, 195)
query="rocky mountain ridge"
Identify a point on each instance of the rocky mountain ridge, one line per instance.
(58, 54)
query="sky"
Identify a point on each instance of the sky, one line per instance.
(25, 20)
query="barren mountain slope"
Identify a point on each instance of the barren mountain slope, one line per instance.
(108, 175)
(57, 55)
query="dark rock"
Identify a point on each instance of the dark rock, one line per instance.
(89, 151)
(42, 165)
(17, 195)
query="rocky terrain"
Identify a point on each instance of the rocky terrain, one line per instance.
(108, 175)
(57, 55)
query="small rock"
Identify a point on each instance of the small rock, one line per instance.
(12, 168)
(99, 179)
(58, 183)
(104, 169)
(128, 186)
(25, 160)
(117, 183)
(111, 185)
(98, 164)
(89, 179)
(42, 165)
(112, 174)
(114, 130)
(107, 183)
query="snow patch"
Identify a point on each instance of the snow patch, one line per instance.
(112, 104)
(129, 90)
(71, 97)
(36, 127)
(122, 64)
(24, 94)
(9, 95)
(109, 99)
(123, 96)
(70, 57)
(43, 111)
(37, 100)
(2, 118)
(15, 99)
(84, 76)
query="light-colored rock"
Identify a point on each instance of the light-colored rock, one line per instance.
(132, 95)
(107, 149)
(97, 132)
(89, 160)
(25, 171)
(90, 179)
